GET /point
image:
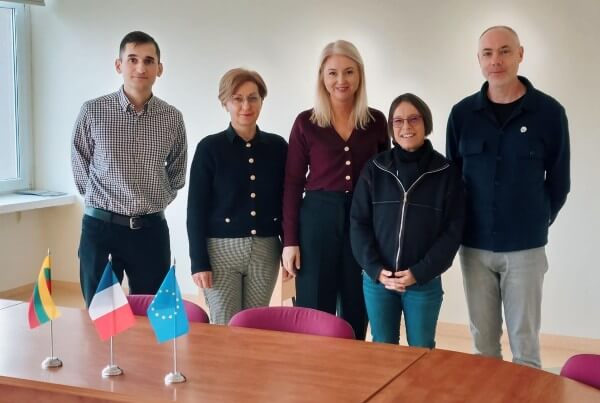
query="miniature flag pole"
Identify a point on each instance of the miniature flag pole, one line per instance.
(42, 309)
(175, 376)
(52, 357)
(111, 369)
(52, 361)
(111, 313)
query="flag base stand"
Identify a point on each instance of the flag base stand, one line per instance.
(111, 370)
(51, 362)
(174, 377)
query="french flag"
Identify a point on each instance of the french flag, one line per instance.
(109, 308)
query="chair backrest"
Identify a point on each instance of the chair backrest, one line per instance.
(139, 305)
(295, 320)
(584, 368)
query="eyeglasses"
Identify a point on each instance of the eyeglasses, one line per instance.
(412, 120)
(238, 100)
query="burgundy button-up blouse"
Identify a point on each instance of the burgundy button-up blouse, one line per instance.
(332, 163)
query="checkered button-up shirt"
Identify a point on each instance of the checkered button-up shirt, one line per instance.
(127, 162)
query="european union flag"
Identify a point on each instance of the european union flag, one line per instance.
(166, 312)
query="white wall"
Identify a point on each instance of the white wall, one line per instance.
(25, 238)
(426, 47)
(22, 248)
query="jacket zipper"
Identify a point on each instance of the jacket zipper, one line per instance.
(405, 202)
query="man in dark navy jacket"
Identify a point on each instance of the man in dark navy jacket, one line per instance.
(511, 142)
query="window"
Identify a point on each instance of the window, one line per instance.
(15, 99)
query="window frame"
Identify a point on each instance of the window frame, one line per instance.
(22, 62)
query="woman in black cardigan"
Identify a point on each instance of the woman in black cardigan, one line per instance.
(407, 220)
(234, 203)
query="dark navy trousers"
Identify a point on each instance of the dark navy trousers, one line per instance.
(144, 254)
(329, 278)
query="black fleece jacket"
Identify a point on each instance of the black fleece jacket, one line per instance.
(418, 227)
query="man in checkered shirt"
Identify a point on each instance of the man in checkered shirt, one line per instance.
(129, 156)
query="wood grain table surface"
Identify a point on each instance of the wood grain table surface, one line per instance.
(221, 364)
(448, 376)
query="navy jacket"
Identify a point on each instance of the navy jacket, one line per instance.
(236, 190)
(516, 175)
(419, 228)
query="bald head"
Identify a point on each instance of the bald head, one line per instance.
(505, 28)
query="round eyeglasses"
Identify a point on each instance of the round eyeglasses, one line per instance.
(412, 120)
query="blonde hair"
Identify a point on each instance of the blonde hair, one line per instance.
(234, 78)
(321, 114)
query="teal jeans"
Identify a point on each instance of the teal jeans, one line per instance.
(421, 307)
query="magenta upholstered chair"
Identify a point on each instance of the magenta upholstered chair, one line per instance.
(295, 320)
(584, 368)
(139, 305)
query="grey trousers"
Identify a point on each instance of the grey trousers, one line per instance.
(244, 274)
(513, 280)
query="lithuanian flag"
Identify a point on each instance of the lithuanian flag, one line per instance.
(41, 306)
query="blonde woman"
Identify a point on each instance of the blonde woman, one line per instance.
(234, 203)
(331, 143)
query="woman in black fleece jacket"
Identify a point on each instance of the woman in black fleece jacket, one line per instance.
(407, 220)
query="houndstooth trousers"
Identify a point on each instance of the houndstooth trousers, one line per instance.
(244, 274)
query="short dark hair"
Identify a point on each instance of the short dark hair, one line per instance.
(138, 37)
(419, 104)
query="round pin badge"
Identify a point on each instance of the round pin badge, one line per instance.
(523, 129)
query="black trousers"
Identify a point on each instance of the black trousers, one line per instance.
(329, 278)
(144, 254)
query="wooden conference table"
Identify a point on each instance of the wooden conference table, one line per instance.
(220, 363)
(449, 376)
(247, 365)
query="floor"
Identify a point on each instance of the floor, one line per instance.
(555, 349)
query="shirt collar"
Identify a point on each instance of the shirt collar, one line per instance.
(149, 106)
(528, 103)
(232, 135)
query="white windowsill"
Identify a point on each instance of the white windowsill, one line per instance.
(13, 203)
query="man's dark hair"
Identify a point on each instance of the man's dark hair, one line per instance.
(137, 38)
